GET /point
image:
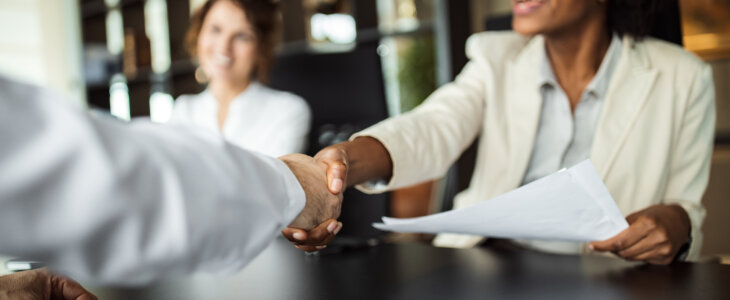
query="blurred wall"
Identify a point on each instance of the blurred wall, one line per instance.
(40, 43)
(717, 203)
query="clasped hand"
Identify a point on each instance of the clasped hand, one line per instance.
(316, 225)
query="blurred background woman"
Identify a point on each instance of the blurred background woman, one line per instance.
(234, 41)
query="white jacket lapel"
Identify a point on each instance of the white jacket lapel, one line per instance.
(627, 93)
(524, 105)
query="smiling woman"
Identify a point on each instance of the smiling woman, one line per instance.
(257, 30)
(234, 43)
(578, 79)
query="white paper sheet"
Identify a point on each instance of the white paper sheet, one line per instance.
(570, 205)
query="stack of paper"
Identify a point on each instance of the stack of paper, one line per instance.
(570, 205)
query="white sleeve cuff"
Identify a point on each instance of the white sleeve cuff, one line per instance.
(294, 191)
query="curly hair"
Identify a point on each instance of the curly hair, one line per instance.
(263, 16)
(633, 17)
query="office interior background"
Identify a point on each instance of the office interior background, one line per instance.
(355, 61)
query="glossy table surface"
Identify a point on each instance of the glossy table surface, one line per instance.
(418, 271)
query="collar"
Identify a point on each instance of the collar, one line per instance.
(252, 89)
(600, 82)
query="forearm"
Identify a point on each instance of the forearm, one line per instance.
(368, 160)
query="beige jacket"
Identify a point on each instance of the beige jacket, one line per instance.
(652, 144)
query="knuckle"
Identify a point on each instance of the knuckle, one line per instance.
(619, 244)
(650, 223)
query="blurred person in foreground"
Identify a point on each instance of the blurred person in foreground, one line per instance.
(234, 41)
(108, 202)
(576, 80)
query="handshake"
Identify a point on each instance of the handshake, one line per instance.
(323, 179)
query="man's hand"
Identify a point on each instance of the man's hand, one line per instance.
(655, 235)
(322, 205)
(41, 284)
(335, 162)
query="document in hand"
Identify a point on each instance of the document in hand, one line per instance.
(570, 205)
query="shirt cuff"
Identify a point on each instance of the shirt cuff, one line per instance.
(696, 216)
(294, 192)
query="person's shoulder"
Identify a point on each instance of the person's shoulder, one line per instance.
(284, 100)
(185, 106)
(666, 55)
(495, 46)
(189, 99)
(19, 89)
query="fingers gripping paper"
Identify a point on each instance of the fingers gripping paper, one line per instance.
(570, 205)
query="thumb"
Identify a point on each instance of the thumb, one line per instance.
(69, 289)
(336, 176)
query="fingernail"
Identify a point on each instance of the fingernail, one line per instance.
(320, 247)
(590, 246)
(332, 227)
(336, 184)
(298, 236)
(339, 227)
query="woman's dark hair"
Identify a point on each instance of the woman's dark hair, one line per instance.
(633, 17)
(263, 16)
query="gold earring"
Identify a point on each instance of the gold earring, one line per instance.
(200, 75)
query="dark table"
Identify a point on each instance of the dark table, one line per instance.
(418, 271)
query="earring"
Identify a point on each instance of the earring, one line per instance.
(200, 75)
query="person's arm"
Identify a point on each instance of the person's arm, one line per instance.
(109, 202)
(657, 234)
(361, 160)
(415, 147)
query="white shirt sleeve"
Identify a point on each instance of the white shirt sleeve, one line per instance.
(109, 202)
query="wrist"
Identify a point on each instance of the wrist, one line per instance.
(684, 250)
(684, 236)
(368, 160)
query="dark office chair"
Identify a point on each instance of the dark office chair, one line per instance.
(346, 94)
(667, 26)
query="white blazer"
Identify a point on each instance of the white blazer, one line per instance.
(114, 203)
(652, 144)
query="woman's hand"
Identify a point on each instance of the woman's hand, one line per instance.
(41, 284)
(655, 235)
(315, 239)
